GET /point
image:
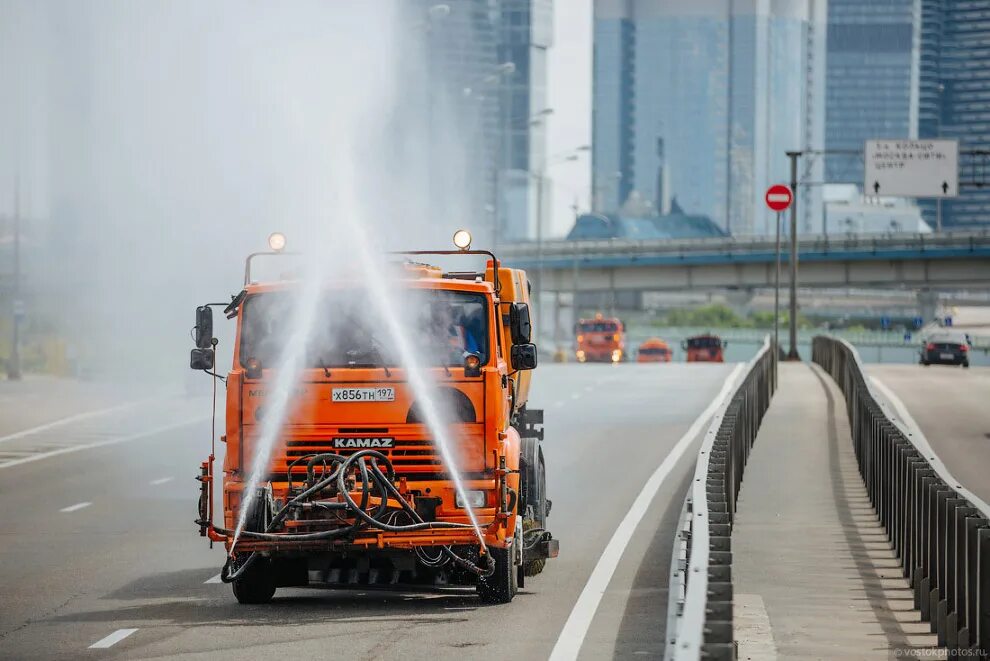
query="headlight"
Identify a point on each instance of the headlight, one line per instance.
(462, 239)
(475, 498)
(276, 241)
(580, 356)
(616, 355)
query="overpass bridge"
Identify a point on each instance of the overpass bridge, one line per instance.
(943, 262)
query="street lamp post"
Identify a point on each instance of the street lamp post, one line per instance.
(14, 365)
(792, 353)
(540, 177)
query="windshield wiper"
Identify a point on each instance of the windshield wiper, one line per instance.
(326, 370)
(376, 349)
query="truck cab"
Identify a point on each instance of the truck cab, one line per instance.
(359, 488)
(601, 340)
(707, 348)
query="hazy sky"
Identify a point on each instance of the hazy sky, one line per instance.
(569, 90)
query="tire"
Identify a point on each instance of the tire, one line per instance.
(257, 586)
(536, 517)
(500, 587)
(534, 504)
(966, 364)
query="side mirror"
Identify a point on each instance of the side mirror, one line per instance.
(523, 356)
(203, 333)
(684, 346)
(201, 359)
(520, 325)
(725, 344)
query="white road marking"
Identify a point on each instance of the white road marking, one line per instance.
(752, 629)
(100, 444)
(161, 480)
(112, 639)
(65, 421)
(898, 405)
(215, 579)
(73, 508)
(576, 628)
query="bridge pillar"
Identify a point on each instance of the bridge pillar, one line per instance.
(927, 304)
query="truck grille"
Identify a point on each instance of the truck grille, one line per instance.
(414, 458)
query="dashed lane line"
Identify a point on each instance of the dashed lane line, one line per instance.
(161, 480)
(100, 444)
(112, 639)
(67, 420)
(74, 508)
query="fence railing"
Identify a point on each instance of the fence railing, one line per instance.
(700, 605)
(584, 248)
(939, 530)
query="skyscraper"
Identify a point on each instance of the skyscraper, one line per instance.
(487, 68)
(525, 34)
(872, 79)
(461, 102)
(705, 97)
(955, 101)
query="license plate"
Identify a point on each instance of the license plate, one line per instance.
(946, 356)
(363, 395)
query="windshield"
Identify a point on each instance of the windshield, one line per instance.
(704, 342)
(653, 351)
(597, 327)
(445, 325)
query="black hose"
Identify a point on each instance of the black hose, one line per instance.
(382, 483)
(390, 490)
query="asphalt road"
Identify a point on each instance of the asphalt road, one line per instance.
(130, 557)
(951, 406)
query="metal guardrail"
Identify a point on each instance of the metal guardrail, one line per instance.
(940, 530)
(700, 605)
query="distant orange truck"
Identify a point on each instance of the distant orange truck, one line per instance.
(654, 350)
(706, 348)
(600, 340)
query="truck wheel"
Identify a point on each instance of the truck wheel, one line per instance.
(500, 587)
(257, 586)
(536, 516)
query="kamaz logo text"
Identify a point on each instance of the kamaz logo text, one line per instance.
(363, 443)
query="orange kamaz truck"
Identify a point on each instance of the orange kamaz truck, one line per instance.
(601, 340)
(357, 492)
(707, 348)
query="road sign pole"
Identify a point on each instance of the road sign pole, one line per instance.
(792, 353)
(776, 304)
(778, 198)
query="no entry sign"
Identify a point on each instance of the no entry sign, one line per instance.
(778, 197)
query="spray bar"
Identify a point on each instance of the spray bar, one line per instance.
(376, 483)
